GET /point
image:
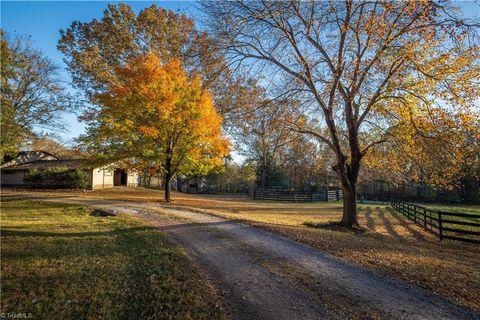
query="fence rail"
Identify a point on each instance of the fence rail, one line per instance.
(447, 225)
(295, 196)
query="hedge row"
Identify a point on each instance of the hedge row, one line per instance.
(60, 177)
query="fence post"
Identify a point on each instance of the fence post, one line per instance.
(430, 221)
(440, 225)
(424, 217)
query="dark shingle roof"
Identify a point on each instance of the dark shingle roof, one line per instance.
(45, 164)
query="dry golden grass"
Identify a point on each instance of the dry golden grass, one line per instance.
(391, 244)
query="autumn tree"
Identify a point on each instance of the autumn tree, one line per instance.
(94, 50)
(262, 136)
(157, 115)
(31, 91)
(234, 178)
(357, 67)
(305, 160)
(439, 157)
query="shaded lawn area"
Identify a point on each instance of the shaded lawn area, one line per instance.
(391, 244)
(58, 261)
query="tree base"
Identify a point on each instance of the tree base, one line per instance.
(336, 226)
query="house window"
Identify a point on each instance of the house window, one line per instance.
(8, 172)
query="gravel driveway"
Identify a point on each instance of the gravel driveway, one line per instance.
(261, 275)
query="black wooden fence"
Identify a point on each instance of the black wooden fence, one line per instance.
(297, 196)
(447, 225)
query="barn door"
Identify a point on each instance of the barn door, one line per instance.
(117, 178)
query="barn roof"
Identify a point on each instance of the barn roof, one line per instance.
(21, 155)
(45, 164)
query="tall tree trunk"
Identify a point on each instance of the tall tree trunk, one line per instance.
(349, 171)
(168, 178)
(264, 177)
(349, 217)
(167, 189)
(348, 174)
(264, 172)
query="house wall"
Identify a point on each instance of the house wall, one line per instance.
(132, 178)
(98, 178)
(12, 178)
(101, 178)
(155, 182)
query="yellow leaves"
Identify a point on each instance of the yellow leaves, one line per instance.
(428, 144)
(149, 131)
(169, 115)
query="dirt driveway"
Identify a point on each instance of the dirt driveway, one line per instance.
(260, 275)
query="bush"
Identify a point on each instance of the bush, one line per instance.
(59, 177)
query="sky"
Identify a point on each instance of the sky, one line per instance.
(42, 21)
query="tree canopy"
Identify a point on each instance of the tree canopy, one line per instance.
(112, 52)
(155, 114)
(363, 70)
(32, 94)
(93, 50)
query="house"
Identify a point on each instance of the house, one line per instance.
(14, 169)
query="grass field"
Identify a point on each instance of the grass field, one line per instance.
(59, 261)
(454, 208)
(390, 244)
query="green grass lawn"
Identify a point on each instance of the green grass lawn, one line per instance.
(60, 262)
(455, 208)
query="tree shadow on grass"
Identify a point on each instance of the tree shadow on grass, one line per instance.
(370, 221)
(12, 232)
(388, 225)
(406, 225)
(125, 273)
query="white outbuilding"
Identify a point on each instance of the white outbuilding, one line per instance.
(13, 170)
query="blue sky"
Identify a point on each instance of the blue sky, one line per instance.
(42, 20)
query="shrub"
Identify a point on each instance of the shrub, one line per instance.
(58, 177)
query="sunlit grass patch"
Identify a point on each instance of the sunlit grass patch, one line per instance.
(59, 261)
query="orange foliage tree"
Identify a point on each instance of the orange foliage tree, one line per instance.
(155, 114)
